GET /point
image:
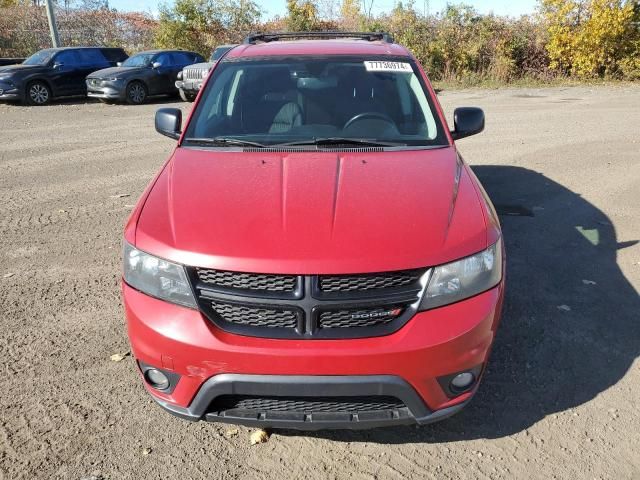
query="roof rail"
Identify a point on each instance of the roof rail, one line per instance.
(274, 37)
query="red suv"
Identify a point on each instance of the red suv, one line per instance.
(315, 253)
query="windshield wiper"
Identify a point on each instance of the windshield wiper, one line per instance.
(341, 141)
(224, 141)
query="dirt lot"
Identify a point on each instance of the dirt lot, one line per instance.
(560, 399)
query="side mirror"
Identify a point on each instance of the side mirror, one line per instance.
(58, 66)
(118, 64)
(467, 121)
(169, 122)
(156, 65)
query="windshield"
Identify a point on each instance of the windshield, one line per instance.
(139, 60)
(40, 58)
(218, 52)
(317, 100)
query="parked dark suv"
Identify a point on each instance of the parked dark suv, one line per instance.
(144, 74)
(55, 72)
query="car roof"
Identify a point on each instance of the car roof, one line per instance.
(153, 52)
(319, 47)
(60, 49)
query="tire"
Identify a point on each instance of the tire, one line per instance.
(136, 93)
(186, 97)
(38, 93)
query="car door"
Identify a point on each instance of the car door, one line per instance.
(91, 59)
(66, 75)
(182, 59)
(162, 79)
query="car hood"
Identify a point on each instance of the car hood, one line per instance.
(200, 66)
(116, 72)
(306, 213)
(18, 69)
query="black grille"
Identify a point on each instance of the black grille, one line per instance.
(248, 281)
(306, 405)
(376, 281)
(307, 306)
(372, 317)
(255, 316)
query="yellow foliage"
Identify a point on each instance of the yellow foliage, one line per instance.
(303, 15)
(589, 38)
(350, 13)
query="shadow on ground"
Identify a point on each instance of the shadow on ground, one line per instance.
(546, 359)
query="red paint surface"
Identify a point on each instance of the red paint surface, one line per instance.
(312, 213)
(431, 344)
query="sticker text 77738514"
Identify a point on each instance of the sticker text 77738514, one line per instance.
(384, 66)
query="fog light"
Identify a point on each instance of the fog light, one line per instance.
(462, 381)
(156, 379)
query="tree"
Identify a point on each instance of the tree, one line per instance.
(303, 15)
(93, 4)
(367, 8)
(351, 15)
(590, 37)
(200, 25)
(329, 9)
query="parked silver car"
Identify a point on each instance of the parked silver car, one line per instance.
(191, 78)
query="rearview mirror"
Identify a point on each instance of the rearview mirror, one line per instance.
(156, 64)
(169, 122)
(467, 121)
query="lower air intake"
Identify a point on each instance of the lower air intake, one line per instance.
(305, 405)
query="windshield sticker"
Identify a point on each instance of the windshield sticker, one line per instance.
(381, 66)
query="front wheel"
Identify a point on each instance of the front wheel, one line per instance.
(136, 93)
(38, 93)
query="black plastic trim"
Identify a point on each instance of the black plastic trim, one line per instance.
(253, 38)
(310, 386)
(309, 301)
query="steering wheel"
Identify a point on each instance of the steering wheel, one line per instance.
(368, 116)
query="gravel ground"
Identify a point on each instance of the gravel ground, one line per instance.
(560, 399)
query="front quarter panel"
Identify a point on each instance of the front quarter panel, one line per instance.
(494, 232)
(132, 221)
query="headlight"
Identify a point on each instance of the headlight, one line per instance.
(463, 278)
(157, 277)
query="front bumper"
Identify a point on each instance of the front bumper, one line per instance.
(311, 387)
(405, 364)
(189, 86)
(107, 91)
(9, 92)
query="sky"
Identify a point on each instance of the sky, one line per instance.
(273, 8)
